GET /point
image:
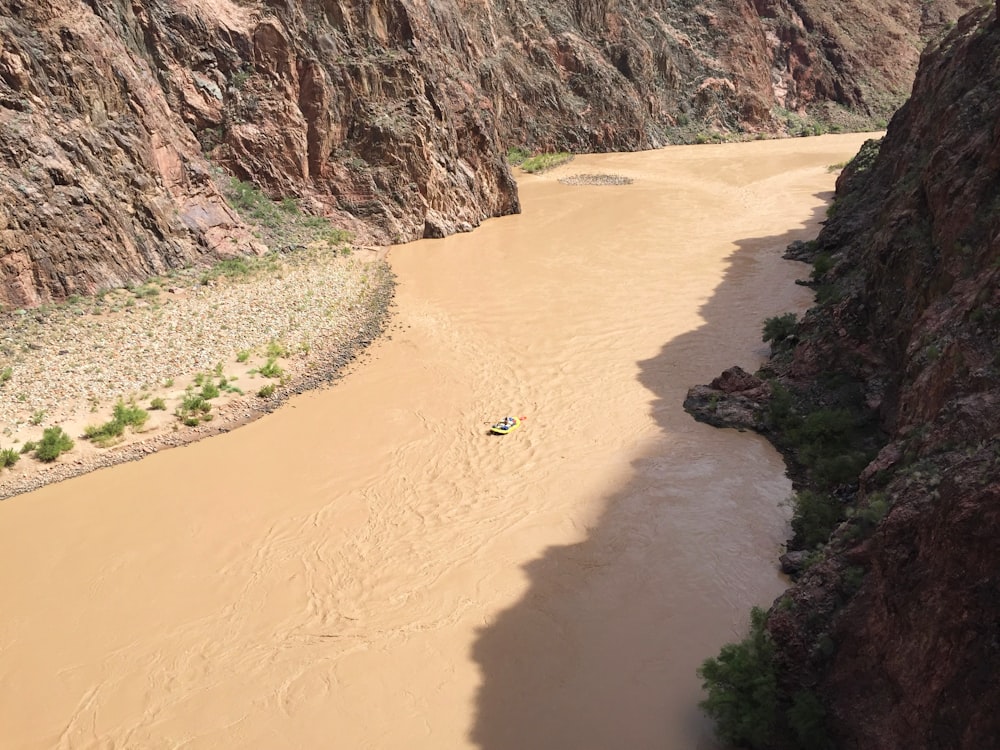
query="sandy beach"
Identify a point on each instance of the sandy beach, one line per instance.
(311, 310)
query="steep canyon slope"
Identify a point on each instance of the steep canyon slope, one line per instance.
(893, 626)
(121, 123)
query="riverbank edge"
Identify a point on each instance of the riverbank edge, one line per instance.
(327, 366)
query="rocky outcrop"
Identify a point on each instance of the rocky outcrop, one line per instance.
(894, 621)
(120, 120)
(734, 399)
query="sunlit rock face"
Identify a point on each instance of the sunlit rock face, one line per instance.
(121, 120)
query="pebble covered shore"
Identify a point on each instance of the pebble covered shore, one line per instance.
(69, 364)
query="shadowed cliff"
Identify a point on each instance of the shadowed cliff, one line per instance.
(894, 623)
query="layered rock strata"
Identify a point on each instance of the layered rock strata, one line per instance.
(119, 120)
(894, 623)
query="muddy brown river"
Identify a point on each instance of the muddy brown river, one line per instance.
(368, 568)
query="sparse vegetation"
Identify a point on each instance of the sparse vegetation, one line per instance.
(779, 328)
(53, 444)
(266, 391)
(193, 409)
(544, 162)
(158, 404)
(8, 457)
(282, 223)
(742, 687)
(747, 702)
(276, 349)
(6, 374)
(517, 155)
(271, 369)
(814, 517)
(125, 415)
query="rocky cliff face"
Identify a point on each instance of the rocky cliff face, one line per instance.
(894, 622)
(392, 118)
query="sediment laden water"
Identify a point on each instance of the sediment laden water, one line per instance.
(368, 568)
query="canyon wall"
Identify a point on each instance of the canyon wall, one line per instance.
(893, 624)
(122, 122)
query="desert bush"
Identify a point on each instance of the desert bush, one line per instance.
(814, 517)
(193, 409)
(104, 434)
(742, 687)
(54, 442)
(749, 706)
(124, 415)
(271, 369)
(209, 390)
(8, 457)
(158, 404)
(779, 327)
(130, 414)
(276, 349)
(266, 390)
(517, 155)
(821, 266)
(543, 162)
(807, 720)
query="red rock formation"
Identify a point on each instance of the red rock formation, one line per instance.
(392, 118)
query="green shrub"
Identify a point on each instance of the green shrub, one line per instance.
(230, 268)
(6, 374)
(54, 442)
(130, 414)
(271, 369)
(105, 433)
(158, 404)
(814, 517)
(821, 265)
(193, 409)
(742, 686)
(8, 457)
(780, 327)
(209, 390)
(844, 468)
(125, 415)
(781, 414)
(867, 519)
(266, 390)
(243, 356)
(543, 162)
(28, 447)
(517, 155)
(807, 720)
(276, 349)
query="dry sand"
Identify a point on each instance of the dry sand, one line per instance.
(70, 364)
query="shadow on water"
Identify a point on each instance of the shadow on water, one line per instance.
(602, 649)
